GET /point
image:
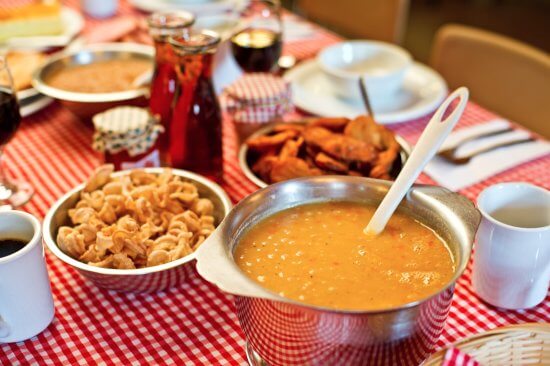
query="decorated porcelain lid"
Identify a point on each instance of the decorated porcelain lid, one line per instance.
(259, 98)
(125, 128)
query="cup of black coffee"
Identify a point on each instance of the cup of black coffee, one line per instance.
(26, 303)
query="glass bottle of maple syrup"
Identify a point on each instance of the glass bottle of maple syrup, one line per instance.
(163, 25)
(196, 124)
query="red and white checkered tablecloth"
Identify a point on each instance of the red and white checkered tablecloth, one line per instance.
(194, 324)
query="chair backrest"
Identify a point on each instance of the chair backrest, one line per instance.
(382, 20)
(504, 75)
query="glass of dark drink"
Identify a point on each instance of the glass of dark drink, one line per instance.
(257, 43)
(14, 193)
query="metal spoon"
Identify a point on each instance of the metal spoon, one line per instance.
(431, 139)
(365, 96)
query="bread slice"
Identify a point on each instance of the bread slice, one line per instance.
(22, 65)
(35, 19)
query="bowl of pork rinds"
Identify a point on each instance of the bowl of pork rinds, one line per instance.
(322, 146)
(135, 230)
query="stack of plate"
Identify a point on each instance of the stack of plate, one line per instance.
(31, 101)
(198, 7)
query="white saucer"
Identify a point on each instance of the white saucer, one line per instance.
(34, 104)
(422, 92)
(73, 22)
(27, 94)
(194, 6)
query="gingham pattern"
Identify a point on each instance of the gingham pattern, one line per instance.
(258, 98)
(195, 323)
(455, 357)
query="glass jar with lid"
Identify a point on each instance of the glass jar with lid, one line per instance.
(127, 137)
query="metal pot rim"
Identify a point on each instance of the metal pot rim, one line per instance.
(40, 84)
(419, 189)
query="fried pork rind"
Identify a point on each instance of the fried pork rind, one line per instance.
(137, 220)
(357, 147)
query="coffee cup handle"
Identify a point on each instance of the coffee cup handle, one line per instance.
(4, 328)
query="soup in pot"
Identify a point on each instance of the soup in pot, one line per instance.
(318, 254)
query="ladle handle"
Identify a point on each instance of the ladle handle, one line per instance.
(427, 146)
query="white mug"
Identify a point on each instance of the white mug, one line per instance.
(26, 303)
(512, 254)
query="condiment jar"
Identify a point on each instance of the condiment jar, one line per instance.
(163, 25)
(196, 126)
(128, 137)
(257, 99)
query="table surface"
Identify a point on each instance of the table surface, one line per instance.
(194, 323)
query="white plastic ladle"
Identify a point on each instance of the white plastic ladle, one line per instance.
(427, 146)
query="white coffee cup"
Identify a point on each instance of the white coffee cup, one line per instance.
(512, 254)
(26, 303)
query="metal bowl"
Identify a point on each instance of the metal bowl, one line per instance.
(280, 331)
(247, 158)
(85, 105)
(147, 279)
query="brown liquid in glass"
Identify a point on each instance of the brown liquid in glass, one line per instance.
(196, 129)
(163, 88)
(9, 116)
(256, 50)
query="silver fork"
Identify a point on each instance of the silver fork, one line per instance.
(465, 159)
(449, 152)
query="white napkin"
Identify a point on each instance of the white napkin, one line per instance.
(297, 30)
(456, 177)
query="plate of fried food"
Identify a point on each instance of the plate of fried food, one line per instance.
(135, 230)
(322, 146)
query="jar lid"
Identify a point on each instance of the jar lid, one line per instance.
(125, 128)
(259, 98)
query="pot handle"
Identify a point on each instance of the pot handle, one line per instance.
(215, 264)
(455, 205)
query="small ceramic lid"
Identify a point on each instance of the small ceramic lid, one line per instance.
(125, 128)
(259, 98)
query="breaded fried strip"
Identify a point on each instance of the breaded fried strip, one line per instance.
(265, 143)
(339, 146)
(324, 161)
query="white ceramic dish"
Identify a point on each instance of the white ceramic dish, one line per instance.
(196, 7)
(383, 65)
(73, 23)
(422, 91)
(34, 104)
(27, 94)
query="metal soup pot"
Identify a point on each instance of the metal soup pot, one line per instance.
(280, 331)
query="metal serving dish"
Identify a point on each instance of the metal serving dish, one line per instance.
(147, 279)
(280, 331)
(247, 158)
(85, 105)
